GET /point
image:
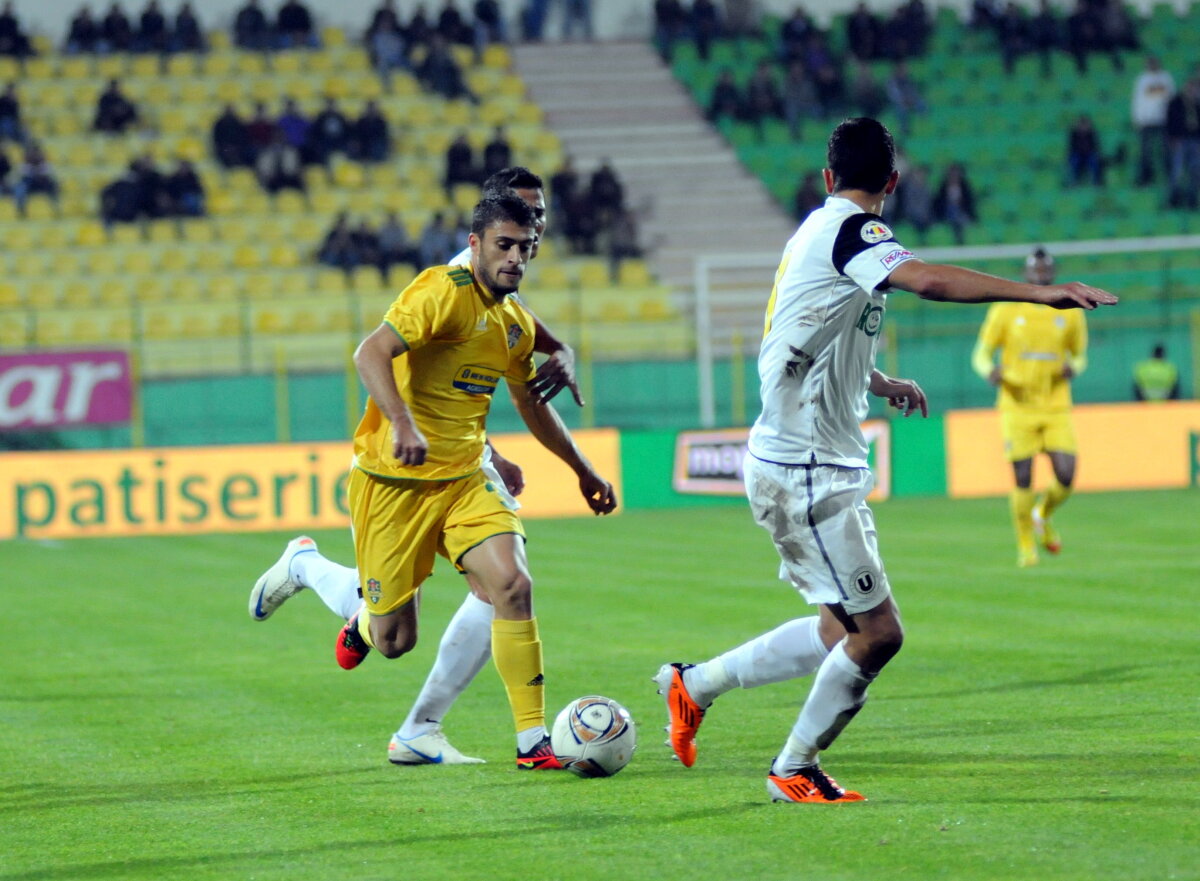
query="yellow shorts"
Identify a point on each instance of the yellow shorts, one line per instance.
(1029, 432)
(400, 525)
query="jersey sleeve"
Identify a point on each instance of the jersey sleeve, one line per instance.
(866, 251)
(520, 362)
(424, 310)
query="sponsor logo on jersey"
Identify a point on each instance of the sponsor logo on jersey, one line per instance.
(514, 334)
(895, 257)
(870, 320)
(477, 380)
(874, 232)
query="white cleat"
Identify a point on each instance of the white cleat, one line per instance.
(275, 586)
(427, 749)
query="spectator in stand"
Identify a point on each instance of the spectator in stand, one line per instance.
(489, 24)
(1045, 35)
(419, 31)
(116, 33)
(905, 96)
(461, 232)
(863, 34)
(1183, 142)
(296, 127)
(706, 26)
(726, 100)
(533, 19)
(452, 27)
(330, 132)
(84, 33)
(1012, 32)
(564, 185)
(279, 166)
(10, 115)
(231, 139)
(623, 241)
(800, 100)
(36, 175)
(763, 100)
(908, 30)
(366, 244)
(294, 27)
(606, 194)
(385, 45)
(743, 18)
(370, 135)
(916, 201)
(338, 248)
(577, 16)
(115, 113)
(394, 244)
(1152, 92)
(119, 199)
(251, 29)
(866, 94)
(954, 203)
(1087, 31)
(384, 16)
(152, 35)
(152, 198)
(189, 35)
(437, 246)
(581, 226)
(985, 14)
(808, 198)
(460, 163)
(440, 72)
(185, 191)
(822, 67)
(794, 34)
(1156, 379)
(497, 154)
(13, 40)
(1084, 158)
(260, 131)
(1117, 28)
(5, 170)
(670, 24)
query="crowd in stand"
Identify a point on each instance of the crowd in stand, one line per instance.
(1093, 26)
(1167, 121)
(145, 193)
(348, 245)
(117, 32)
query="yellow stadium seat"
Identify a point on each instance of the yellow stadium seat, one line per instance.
(229, 323)
(288, 61)
(348, 175)
(87, 329)
(219, 39)
(10, 295)
(152, 290)
(284, 256)
(119, 328)
(262, 286)
(14, 332)
(551, 276)
(655, 310)
(8, 211)
(329, 281)
(198, 231)
(247, 257)
(77, 293)
(102, 261)
(65, 124)
(333, 37)
(40, 68)
(76, 67)
(158, 325)
(144, 66)
(181, 66)
(186, 289)
(305, 321)
(177, 259)
(39, 207)
(250, 63)
(497, 55)
(464, 197)
(634, 274)
(228, 91)
(111, 66)
(10, 68)
(139, 262)
(115, 292)
(41, 294)
(366, 280)
(91, 234)
(126, 234)
(161, 232)
(50, 330)
(223, 288)
(337, 87)
(28, 264)
(268, 321)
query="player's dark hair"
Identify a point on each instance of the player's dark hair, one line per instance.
(862, 155)
(501, 208)
(516, 177)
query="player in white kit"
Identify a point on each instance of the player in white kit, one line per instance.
(806, 470)
(465, 646)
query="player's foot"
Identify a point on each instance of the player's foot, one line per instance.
(685, 714)
(540, 758)
(1046, 534)
(1027, 557)
(351, 649)
(809, 784)
(275, 586)
(427, 749)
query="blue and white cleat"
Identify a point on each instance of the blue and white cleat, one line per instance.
(431, 748)
(276, 586)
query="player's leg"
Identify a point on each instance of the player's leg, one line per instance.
(303, 566)
(1022, 440)
(1060, 447)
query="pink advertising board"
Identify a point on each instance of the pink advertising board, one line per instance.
(64, 389)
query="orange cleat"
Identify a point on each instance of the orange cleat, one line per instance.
(540, 758)
(809, 785)
(684, 713)
(351, 649)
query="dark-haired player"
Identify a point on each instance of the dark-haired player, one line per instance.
(806, 469)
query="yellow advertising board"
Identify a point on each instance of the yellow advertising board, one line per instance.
(1121, 446)
(180, 490)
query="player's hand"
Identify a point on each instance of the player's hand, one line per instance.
(1076, 295)
(556, 373)
(996, 376)
(510, 473)
(1068, 372)
(903, 394)
(598, 492)
(408, 444)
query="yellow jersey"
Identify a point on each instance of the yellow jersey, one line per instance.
(1035, 342)
(461, 342)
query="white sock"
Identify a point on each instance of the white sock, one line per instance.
(789, 651)
(530, 737)
(335, 584)
(838, 693)
(464, 650)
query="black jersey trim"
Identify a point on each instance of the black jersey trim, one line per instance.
(850, 242)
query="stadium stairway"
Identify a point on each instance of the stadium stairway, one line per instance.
(618, 101)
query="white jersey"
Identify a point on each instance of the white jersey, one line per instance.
(822, 330)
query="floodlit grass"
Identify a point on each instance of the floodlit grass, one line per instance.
(1037, 724)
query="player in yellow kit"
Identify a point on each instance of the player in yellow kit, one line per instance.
(1041, 351)
(416, 490)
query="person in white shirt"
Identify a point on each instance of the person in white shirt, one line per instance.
(806, 470)
(1152, 92)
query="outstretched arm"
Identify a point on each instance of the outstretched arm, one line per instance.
(373, 358)
(903, 394)
(558, 370)
(547, 426)
(954, 284)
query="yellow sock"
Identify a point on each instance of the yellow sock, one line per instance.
(364, 626)
(1021, 503)
(518, 655)
(1056, 495)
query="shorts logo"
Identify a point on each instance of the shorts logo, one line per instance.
(476, 380)
(864, 581)
(514, 334)
(874, 232)
(374, 590)
(895, 257)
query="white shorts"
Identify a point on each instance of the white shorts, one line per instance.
(823, 530)
(493, 476)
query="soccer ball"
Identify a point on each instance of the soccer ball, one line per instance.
(594, 737)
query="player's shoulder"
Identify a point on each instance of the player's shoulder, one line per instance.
(443, 279)
(858, 231)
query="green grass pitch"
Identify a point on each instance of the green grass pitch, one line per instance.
(1038, 724)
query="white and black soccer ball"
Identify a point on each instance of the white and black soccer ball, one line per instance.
(594, 737)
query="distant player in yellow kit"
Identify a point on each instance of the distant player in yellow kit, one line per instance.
(1041, 351)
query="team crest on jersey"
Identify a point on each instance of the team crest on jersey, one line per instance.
(874, 232)
(374, 590)
(476, 380)
(514, 334)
